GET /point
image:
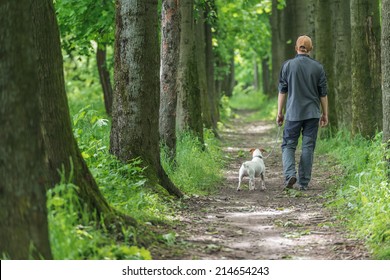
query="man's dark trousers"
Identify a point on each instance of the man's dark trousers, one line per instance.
(291, 134)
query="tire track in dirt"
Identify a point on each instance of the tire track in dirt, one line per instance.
(270, 224)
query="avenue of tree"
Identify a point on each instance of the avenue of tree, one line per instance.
(173, 61)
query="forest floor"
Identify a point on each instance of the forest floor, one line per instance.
(269, 225)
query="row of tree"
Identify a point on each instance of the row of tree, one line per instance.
(37, 140)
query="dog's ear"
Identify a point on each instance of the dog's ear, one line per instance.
(252, 150)
(262, 150)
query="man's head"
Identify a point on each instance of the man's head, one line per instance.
(303, 44)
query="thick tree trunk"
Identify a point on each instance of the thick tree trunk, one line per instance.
(170, 43)
(61, 148)
(325, 52)
(135, 115)
(23, 215)
(299, 21)
(279, 42)
(386, 69)
(214, 95)
(366, 68)
(342, 62)
(189, 102)
(202, 73)
(386, 76)
(104, 75)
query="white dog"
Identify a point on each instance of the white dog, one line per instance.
(253, 168)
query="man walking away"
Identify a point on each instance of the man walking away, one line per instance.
(302, 82)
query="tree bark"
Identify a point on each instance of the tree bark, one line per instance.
(266, 77)
(256, 78)
(299, 22)
(23, 216)
(170, 43)
(189, 102)
(214, 96)
(325, 52)
(342, 62)
(135, 115)
(202, 72)
(279, 42)
(366, 68)
(104, 75)
(386, 69)
(61, 147)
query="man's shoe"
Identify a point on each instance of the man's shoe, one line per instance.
(302, 188)
(290, 183)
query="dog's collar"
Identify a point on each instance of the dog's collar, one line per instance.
(259, 157)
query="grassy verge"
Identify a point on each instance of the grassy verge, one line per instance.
(362, 195)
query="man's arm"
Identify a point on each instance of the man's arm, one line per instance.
(281, 101)
(324, 106)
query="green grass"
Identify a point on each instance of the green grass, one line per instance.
(197, 169)
(362, 195)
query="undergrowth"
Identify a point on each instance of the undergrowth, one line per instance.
(362, 195)
(197, 169)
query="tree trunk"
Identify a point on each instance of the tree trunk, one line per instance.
(256, 78)
(366, 68)
(202, 73)
(135, 115)
(266, 77)
(225, 85)
(23, 216)
(325, 52)
(386, 69)
(279, 42)
(104, 76)
(214, 95)
(342, 62)
(170, 43)
(61, 147)
(386, 76)
(299, 22)
(189, 102)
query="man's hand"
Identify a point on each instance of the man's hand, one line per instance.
(280, 119)
(324, 120)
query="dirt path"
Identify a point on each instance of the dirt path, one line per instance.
(269, 224)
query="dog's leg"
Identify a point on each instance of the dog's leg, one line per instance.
(240, 175)
(252, 186)
(262, 182)
(239, 185)
(252, 178)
